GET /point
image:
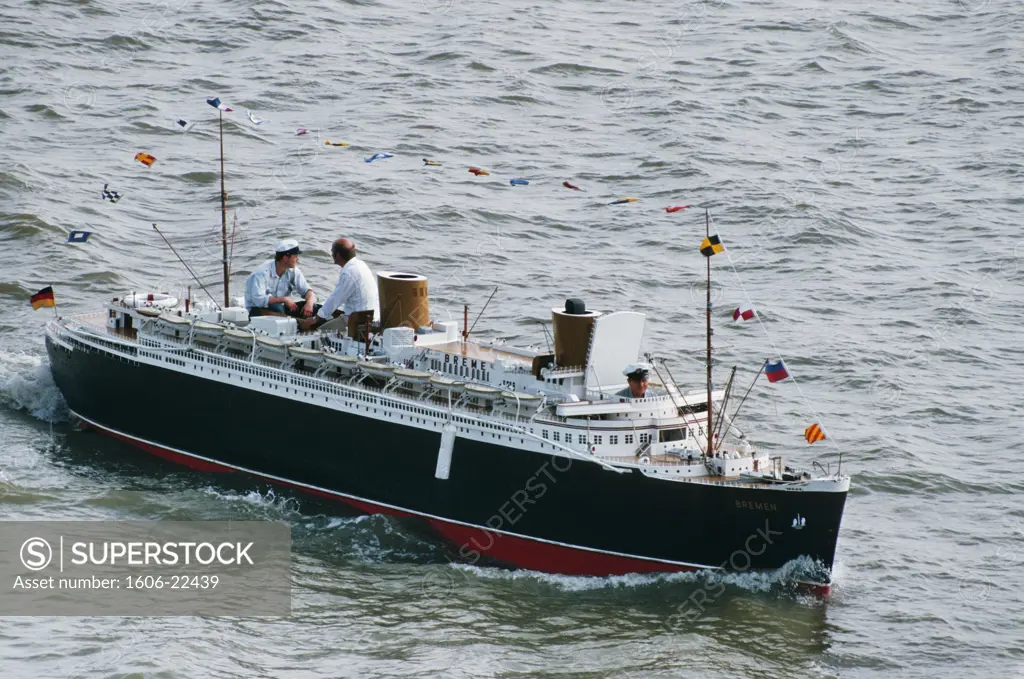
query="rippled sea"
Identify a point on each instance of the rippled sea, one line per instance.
(861, 163)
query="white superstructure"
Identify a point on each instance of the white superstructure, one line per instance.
(430, 378)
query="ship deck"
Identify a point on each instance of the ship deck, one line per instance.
(662, 460)
(98, 320)
(477, 352)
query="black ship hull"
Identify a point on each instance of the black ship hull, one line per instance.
(526, 509)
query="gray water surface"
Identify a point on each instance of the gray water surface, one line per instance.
(862, 164)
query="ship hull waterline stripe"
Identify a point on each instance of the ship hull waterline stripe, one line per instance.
(214, 465)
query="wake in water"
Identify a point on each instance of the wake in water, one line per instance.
(276, 506)
(779, 580)
(26, 384)
(366, 538)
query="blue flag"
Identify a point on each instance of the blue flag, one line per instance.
(215, 102)
(78, 236)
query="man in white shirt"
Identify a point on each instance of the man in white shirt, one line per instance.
(268, 288)
(355, 295)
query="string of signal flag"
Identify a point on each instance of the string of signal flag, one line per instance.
(148, 160)
(775, 370)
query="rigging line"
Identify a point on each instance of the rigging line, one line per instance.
(800, 391)
(700, 429)
(693, 416)
(185, 264)
(745, 395)
(725, 403)
(484, 309)
(546, 333)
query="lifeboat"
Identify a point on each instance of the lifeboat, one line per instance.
(172, 326)
(442, 383)
(309, 358)
(513, 397)
(482, 391)
(380, 371)
(412, 376)
(346, 365)
(207, 333)
(270, 350)
(237, 340)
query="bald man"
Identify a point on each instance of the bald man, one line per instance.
(355, 295)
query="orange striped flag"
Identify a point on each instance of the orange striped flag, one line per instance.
(145, 159)
(813, 434)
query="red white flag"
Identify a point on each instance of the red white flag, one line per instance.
(743, 311)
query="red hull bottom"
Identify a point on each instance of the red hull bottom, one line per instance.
(473, 542)
(543, 556)
(818, 589)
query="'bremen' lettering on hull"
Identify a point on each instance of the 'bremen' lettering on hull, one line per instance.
(761, 506)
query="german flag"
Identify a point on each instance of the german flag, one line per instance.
(813, 434)
(43, 298)
(711, 245)
(145, 159)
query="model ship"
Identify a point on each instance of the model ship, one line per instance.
(543, 461)
(550, 460)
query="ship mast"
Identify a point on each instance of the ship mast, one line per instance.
(707, 233)
(224, 216)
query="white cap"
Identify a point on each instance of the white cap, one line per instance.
(632, 368)
(288, 244)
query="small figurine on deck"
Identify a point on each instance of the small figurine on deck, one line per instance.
(636, 377)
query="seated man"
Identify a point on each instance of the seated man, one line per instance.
(636, 378)
(355, 294)
(268, 288)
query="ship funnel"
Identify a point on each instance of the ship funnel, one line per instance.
(572, 329)
(403, 300)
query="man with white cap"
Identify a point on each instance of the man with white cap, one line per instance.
(268, 289)
(636, 378)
